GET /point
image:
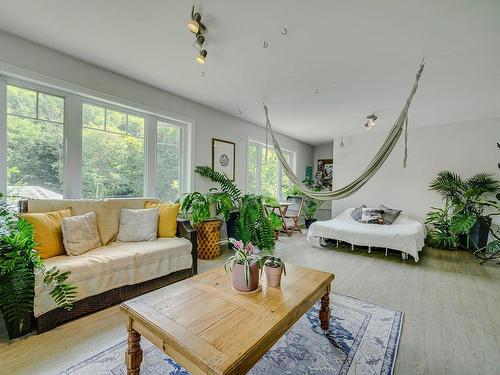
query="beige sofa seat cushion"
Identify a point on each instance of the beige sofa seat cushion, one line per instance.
(115, 265)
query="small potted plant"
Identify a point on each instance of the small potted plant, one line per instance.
(273, 268)
(244, 266)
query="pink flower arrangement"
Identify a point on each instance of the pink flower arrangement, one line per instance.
(249, 249)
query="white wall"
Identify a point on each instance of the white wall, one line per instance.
(18, 55)
(324, 151)
(465, 148)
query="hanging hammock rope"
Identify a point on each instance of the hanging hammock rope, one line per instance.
(371, 169)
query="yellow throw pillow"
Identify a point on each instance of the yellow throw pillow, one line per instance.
(48, 232)
(167, 217)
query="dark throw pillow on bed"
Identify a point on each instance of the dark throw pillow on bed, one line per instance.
(390, 214)
(356, 213)
(372, 216)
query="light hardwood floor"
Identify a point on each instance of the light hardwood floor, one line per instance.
(451, 305)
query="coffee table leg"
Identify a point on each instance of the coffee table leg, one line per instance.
(133, 356)
(324, 313)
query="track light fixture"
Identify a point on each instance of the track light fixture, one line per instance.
(196, 27)
(194, 24)
(371, 121)
(201, 58)
(198, 43)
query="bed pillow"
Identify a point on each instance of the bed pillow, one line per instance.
(372, 216)
(80, 234)
(138, 225)
(390, 214)
(356, 213)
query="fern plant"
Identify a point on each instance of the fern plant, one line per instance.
(253, 225)
(19, 261)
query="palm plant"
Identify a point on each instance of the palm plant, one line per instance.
(19, 261)
(465, 206)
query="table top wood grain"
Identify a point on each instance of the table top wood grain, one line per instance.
(209, 328)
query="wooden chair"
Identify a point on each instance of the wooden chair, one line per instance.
(293, 212)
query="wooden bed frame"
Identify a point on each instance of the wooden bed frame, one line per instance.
(53, 318)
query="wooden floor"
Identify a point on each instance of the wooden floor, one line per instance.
(451, 306)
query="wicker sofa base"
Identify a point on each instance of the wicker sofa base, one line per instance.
(88, 305)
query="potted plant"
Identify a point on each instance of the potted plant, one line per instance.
(311, 205)
(244, 266)
(464, 219)
(19, 261)
(205, 211)
(273, 268)
(247, 220)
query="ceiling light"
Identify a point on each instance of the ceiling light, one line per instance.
(201, 57)
(195, 25)
(371, 121)
(198, 44)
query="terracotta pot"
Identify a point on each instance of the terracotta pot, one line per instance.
(273, 276)
(238, 277)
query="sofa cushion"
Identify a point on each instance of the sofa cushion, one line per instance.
(47, 232)
(115, 265)
(107, 211)
(80, 234)
(390, 214)
(167, 217)
(138, 225)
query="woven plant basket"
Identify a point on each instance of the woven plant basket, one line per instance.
(209, 239)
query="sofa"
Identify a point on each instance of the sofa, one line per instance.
(116, 271)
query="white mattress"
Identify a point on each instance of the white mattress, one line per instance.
(405, 234)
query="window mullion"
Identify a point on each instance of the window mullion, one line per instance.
(73, 147)
(150, 135)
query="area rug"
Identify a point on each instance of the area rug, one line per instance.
(362, 339)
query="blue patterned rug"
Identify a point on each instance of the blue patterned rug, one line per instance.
(363, 339)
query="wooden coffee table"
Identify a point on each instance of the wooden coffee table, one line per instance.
(210, 329)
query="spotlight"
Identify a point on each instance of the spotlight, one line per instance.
(194, 25)
(198, 44)
(201, 57)
(371, 121)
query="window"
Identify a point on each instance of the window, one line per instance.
(35, 138)
(112, 153)
(265, 174)
(56, 144)
(168, 161)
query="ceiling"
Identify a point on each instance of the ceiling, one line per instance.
(338, 62)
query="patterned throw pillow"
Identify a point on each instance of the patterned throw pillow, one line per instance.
(356, 213)
(80, 234)
(372, 216)
(390, 214)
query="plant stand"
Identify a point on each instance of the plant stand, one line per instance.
(209, 239)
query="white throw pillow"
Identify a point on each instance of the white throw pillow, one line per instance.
(138, 225)
(80, 233)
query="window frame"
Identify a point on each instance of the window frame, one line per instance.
(73, 134)
(258, 166)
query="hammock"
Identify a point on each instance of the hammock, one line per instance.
(371, 169)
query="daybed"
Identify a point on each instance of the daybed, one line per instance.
(116, 271)
(405, 234)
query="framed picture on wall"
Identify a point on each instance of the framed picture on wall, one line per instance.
(223, 157)
(324, 173)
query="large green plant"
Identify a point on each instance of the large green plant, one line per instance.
(18, 263)
(199, 205)
(465, 202)
(253, 224)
